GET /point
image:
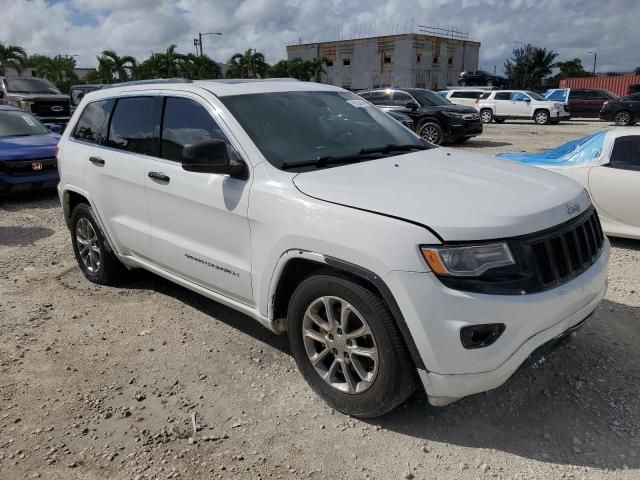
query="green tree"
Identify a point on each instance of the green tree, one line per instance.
(200, 67)
(60, 70)
(280, 69)
(12, 56)
(529, 65)
(250, 64)
(122, 68)
(316, 68)
(571, 69)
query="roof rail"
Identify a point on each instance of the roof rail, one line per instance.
(250, 80)
(148, 82)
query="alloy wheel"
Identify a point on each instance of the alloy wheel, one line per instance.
(88, 246)
(486, 116)
(542, 118)
(340, 345)
(622, 118)
(431, 133)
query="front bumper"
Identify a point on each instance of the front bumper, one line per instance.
(435, 314)
(21, 182)
(466, 129)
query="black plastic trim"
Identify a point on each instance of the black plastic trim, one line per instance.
(388, 298)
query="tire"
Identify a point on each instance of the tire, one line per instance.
(541, 117)
(622, 118)
(486, 115)
(431, 132)
(95, 257)
(499, 120)
(387, 375)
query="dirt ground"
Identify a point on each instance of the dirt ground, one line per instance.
(105, 383)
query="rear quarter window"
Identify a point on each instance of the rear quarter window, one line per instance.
(92, 121)
(485, 95)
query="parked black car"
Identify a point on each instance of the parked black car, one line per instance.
(481, 78)
(435, 118)
(400, 117)
(38, 96)
(79, 91)
(623, 111)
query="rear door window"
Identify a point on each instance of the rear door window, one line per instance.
(92, 121)
(133, 125)
(626, 153)
(503, 95)
(186, 121)
(381, 97)
(401, 98)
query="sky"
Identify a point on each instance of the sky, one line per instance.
(84, 28)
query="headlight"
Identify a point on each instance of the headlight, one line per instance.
(25, 105)
(467, 261)
(557, 106)
(453, 115)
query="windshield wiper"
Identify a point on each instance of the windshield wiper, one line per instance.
(392, 147)
(364, 154)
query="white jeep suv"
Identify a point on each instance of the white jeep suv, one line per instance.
(387, 261)
(500, 105)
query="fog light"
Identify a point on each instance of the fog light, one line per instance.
(480, 336)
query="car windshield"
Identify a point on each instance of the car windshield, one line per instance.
(427, 98)
(14, 123)
(293, 127)
(30, 85)
(535, 96)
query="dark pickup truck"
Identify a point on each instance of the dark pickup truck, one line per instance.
(38, 96)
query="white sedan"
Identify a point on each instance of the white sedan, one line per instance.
(608, 165)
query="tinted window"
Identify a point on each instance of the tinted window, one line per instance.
(631, 98)
(626, 153)
(401, 98)
(380, 97)
(577, 95)
(365, 95)
(485, 95)
(132, 125)
(185, 121)
(92, 121)
(596, 95)
(503, 95)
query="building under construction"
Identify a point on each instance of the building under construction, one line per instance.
(431, 59)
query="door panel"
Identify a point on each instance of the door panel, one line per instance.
(617, 192)
(199, 221)
(116, 176)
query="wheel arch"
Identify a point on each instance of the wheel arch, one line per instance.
(302, 264)
(70, 198)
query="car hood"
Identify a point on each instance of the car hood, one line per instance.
(40, 96)
(25, 148)
(448, 108)
(461, 196)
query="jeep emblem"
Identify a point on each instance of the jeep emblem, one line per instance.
(573, 208)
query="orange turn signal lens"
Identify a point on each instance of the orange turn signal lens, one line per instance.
(433, 260)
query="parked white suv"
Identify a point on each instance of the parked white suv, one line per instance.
(500, 105)
(463, 96)
(308, 209)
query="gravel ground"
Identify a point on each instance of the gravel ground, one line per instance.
(99, 382)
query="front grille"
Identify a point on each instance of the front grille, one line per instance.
(45, 108)
(566, 251)
(24, 167)
(471, 116)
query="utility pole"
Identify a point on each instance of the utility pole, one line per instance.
(198, 41)
(595, 59)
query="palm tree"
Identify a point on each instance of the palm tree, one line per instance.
(298, 69)
(280, 69)
(122, 68)
(542, 64)
(12, 56)
(200, 67)
(171, 62)
(104, 72)
(316, 68)
(529, 65)
(59, 70)
(250, 64)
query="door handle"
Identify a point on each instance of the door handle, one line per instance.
(96, 161)
(161, 177)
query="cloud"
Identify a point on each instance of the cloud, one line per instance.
(86, 27)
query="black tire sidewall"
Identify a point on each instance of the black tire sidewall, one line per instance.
(535, 117)
(379, 398)
(622, 124)
(102, 276)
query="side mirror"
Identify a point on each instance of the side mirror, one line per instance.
(528, 100)
(210, 156)
(412, 105)
(55, 128)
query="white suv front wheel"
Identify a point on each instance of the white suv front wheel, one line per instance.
(486, 115)
(348, 348)
(541, 117)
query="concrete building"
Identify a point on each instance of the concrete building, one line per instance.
(404, 60)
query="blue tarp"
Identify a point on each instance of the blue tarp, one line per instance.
(572, 154)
